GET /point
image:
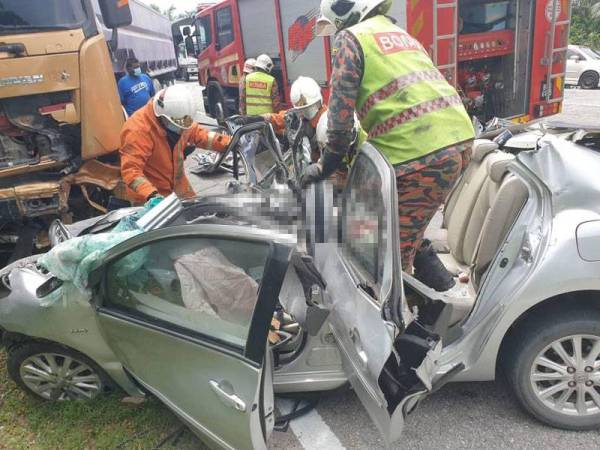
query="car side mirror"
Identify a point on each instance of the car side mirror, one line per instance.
(575, 58)
(115, 13)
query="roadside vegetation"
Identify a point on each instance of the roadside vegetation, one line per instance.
(107, 423)
(585, 26)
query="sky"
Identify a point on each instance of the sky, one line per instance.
(181, 5)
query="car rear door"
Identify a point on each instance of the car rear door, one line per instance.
(388, 358)
(187, 311)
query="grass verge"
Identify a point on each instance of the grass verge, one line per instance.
(105, 423)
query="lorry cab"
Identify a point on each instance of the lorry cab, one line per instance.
(60, 112)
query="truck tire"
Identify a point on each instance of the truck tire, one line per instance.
(216, 100)
(589, 80)
(550, 366)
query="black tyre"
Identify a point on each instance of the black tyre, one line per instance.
(553, 366)
(55, 373)
(589, 80)
(216, 101)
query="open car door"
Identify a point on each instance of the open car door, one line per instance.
(388, 358)
(187, 311)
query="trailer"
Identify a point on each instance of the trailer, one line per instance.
(485, 48)
(148, 38)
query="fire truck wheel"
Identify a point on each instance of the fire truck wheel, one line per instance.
(216, 100)
(589, 80)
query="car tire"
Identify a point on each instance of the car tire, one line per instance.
(537, 339)
(589, 80)
(35, 367)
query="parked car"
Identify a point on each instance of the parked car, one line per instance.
(583, 67)
(185, 311)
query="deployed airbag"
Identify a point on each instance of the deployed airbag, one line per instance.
(210, 283)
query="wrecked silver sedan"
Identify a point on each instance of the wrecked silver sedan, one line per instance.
(210, 310)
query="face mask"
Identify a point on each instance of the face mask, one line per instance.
(170, 126)
(137, 71)
(310, 112)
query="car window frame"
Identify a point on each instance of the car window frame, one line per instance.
(352, 261)
(273, 274)
(388, 255)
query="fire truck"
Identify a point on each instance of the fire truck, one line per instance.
(507, 58)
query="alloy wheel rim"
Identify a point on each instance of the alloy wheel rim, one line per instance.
(60, 377)
(565, 375)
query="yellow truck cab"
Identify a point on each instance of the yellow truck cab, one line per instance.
(60, 116)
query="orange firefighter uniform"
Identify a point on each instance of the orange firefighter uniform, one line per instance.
(149, 165)
(278, 122)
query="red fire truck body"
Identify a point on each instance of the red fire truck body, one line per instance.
(507, 57)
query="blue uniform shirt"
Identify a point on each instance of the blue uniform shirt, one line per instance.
(135, 91)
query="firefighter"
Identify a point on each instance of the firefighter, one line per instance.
(248, 68)
(261, 92)
(409, 111)
(155, 142)
(308, 106)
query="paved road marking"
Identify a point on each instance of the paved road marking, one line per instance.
(310, 429)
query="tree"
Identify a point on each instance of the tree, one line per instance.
(585, 23)
(186, 14)
(169, 12)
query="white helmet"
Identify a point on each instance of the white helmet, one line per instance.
(177, 106)
(249, 65)
(339, 14)
(321, 132)
(306, 97)
(264, 62)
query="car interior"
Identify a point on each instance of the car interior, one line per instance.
(203, 285)
(477, 217)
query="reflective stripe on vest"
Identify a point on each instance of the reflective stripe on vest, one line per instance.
(259, 86)
(404, 103)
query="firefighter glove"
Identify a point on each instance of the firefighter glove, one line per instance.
(247, 120)
(311, 174)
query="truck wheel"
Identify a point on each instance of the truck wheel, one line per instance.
(589, 80)
(216, 100)
(554, 369)
(55, 373)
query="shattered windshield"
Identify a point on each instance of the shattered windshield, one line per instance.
(17, 16)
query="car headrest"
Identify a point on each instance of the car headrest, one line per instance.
(481, 148)
(498, 166)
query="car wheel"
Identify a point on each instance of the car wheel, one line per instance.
(555, 369)
(589, 80)
(55, 373)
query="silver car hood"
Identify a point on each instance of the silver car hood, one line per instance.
(569, 171)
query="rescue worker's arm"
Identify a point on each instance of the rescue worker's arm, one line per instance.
(135, 150)
(208, 140)
(277, 120)
(122, 91)
(275, 97)
(346, 76)
(152, 91)
(243, 97)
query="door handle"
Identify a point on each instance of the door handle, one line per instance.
(230, 400)
(362, 355)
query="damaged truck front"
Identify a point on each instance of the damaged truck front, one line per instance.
(60, 117)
